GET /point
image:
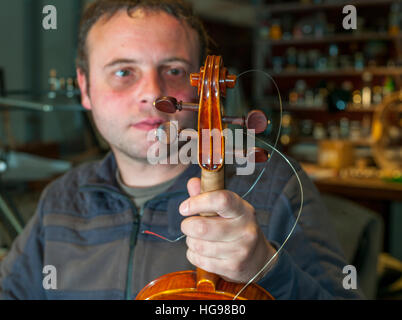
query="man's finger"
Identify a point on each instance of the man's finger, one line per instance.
(223, 202)
(215, 249)
(194, 186)
(213, 228)
(223, 267)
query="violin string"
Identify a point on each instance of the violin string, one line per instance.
(263, 169)
(279, 97)
(183, 236)
(255, 183)
(259, 177)
(280, 122)
(162, 237)
(291, 231)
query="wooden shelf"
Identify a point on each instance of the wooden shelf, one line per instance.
(357, 142)
(376, 71)
(361, 188)
(305, 109)
(350, 37)
(269, 48)
(227, 11)
(287, 107)
(300, 7)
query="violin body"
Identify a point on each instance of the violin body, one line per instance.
(187, 285)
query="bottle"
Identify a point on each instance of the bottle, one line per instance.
(344, 128)
(300, 87)
(286, 130)
(389, 86)
(53, 84)
(275, 32)
(366, 91)
(377, 95)
(70, 88)
(62, 84)
(333, 56)
(359, 61)
(355, 130)
(394, 19)
(366, 127)
(319, 132)
(357, 99)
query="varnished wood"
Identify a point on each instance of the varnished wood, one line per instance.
(212, 181)
(211, 82)
(182, 285)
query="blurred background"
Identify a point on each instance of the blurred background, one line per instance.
(340, 106)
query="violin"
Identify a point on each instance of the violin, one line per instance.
(211, 82)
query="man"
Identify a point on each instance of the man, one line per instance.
(90, 224)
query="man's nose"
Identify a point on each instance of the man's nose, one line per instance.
(151, 89)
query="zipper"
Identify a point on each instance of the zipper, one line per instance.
(133, 241)
(134, 230)
(136, 225)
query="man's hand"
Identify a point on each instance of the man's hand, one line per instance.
(230, 244)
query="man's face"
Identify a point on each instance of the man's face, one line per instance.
(133, 61)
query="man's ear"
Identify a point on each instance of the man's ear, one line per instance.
(82, 82)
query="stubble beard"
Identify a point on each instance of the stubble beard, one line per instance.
(124, 144)
(133, 149)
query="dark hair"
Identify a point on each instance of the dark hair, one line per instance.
(179, 9)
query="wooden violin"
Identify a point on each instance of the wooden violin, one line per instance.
(212, 82)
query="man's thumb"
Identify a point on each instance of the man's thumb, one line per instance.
(194, 186)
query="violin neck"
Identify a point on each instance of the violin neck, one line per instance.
(212, 181)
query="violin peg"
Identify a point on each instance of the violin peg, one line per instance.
(233, 120)
(167, 104)
(230, 80)
(257, 120)
(260, 155)
(171, 105)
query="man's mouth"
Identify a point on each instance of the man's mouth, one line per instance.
(148, 124)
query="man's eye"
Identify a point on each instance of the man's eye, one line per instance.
(175, 72)
(122, 73)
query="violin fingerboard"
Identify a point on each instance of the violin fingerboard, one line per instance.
(212, 181)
